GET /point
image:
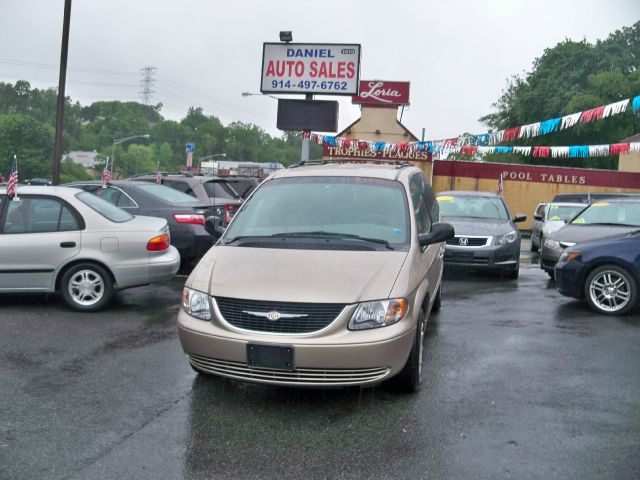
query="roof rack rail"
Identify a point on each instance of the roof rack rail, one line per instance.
(304, 163)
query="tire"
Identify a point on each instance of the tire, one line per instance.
(513, 274)
(86, 287)
(551, 273)
(437, 302)
(409, 380)
(611, 290)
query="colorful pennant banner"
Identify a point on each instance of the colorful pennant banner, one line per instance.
(488, 141)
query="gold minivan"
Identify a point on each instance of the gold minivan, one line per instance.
(325, 277)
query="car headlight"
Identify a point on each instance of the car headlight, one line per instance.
(566, 257)
(196, 303)
(380, 313)
(553, 244)
(507, 238)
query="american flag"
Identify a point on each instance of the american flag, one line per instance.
(500, 188)
(13, 178)
(158, 173)
(106, 173)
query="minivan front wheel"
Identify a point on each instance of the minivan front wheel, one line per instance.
(410, 378)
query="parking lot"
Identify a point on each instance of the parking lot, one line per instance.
(520, 383)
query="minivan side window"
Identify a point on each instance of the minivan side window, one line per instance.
(420, 206)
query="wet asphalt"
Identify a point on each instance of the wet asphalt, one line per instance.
(519, 383)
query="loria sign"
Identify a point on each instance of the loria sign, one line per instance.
(382, 93)
(327, 69)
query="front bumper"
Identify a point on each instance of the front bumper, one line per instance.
(495, 257)
(549, 257)
(334, 357)
(569, 279)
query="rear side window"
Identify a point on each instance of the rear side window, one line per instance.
(167, 194)
(104, 208)
(220, 190)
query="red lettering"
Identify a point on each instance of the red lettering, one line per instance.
(313, 69)
(271, 71)
(351, 70)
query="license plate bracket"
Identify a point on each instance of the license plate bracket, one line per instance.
(272, 357)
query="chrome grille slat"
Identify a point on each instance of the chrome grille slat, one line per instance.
(301, 376)
(316, 316)
(473, 241)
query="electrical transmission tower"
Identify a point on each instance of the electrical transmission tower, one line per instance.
(146, 83)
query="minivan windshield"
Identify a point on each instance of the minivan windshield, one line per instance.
(360, 207)
(610, 213)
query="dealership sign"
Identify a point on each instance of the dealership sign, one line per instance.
(381, 93)
(327, 69)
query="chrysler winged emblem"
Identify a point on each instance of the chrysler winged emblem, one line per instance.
(274, 316)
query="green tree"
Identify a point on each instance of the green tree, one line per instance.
(31, 141)
(572, 77)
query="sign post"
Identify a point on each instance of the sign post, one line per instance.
(190, 148)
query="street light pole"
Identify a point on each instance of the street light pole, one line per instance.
(117, 141)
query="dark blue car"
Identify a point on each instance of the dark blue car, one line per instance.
(605, 272)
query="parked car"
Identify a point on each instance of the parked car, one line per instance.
(325, 277)
(602, 219)
(486, 237)
(590, 197)
(72, 242)
(242, 184)
(184, 214)
(218, 192)
(605, 272)
(548, 218)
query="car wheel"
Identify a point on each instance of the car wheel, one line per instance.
(513, 274)
(611, 290)
(86, 287)
(410, 378)
(437, 302)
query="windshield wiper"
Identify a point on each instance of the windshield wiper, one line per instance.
(607, 224)
(335, 235)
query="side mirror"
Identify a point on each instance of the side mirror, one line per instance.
(519, 217)
(213, 225)
(537, 217)
(440, 232)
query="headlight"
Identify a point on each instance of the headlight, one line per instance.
(507, 238)
(196, 303)
(566, 257)
(380, 313)
(553, 244)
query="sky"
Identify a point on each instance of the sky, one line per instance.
(457, 54)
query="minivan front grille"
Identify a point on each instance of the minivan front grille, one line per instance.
(300, 376)
(278, 317)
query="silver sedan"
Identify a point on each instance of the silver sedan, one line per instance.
(73, 242)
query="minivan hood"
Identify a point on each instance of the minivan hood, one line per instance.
(479, 226)
(319, 276)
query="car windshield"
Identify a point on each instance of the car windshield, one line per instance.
(217, 189)
(168, 194)
(472, 206)
(104, 208)
(560, 212)
(370, 208)
(611, 213)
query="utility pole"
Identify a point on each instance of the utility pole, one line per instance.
(146, 83)
(57, 153)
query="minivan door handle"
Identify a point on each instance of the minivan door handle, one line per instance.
(68, 244)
